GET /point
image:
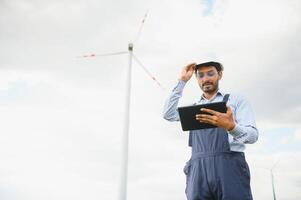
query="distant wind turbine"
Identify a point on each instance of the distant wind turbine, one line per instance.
(272, 177)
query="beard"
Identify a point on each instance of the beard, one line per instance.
(210, 87)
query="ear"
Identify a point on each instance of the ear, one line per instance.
(220, 75)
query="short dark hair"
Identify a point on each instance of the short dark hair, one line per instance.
(219, 67)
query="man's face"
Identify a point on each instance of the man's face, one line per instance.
(208, 78)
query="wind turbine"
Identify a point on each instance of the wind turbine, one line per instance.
(272, 177)
(125, 140)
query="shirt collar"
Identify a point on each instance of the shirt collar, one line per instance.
(219, 92)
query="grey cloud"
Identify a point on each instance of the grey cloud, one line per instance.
(274, 88)
(79, 134)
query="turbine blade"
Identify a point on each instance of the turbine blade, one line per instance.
(148, 73)
(102, 55)
(141, 26)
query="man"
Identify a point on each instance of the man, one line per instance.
(217, 169)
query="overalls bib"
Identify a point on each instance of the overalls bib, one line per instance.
(214, 172)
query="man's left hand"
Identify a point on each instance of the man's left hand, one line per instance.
(223, 120)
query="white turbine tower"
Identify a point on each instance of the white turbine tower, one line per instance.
(272, 178)
(126, 125)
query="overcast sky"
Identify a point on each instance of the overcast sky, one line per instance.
(62, 116)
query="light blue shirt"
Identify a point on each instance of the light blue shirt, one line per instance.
(244, 132)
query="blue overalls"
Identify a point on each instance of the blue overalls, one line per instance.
(214, 172)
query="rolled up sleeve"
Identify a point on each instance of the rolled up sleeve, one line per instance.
(170, 112)
(245, 130)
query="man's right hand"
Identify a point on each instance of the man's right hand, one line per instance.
(187, 72)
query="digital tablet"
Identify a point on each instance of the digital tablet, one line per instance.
(187, 115)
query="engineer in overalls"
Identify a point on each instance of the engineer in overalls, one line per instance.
(217, 169)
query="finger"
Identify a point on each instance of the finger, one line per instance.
(208, 121)
(190, 66)
(209, 111)
(203, 116)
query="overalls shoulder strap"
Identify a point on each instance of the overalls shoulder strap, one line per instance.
(226, 98)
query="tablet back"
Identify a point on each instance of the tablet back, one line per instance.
(187, 115)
